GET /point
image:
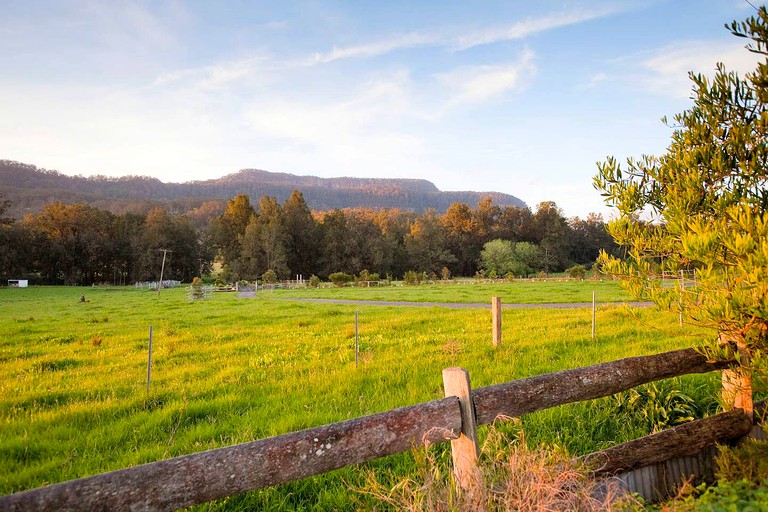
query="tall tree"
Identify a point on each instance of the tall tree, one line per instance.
(487, 217)
(589, 236)
(73, 243)
(338, 246)
(229, 229)
(516, 224)
(426, 244)
(461, 230)
(263, 245)
(707, 199)
(394, 226)
(15, 245)
(162, 231)
(553, 235)
(302, 236)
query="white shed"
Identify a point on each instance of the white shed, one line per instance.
(18, 283)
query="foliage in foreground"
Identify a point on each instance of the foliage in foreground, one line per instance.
(709, 202)
(514, 478)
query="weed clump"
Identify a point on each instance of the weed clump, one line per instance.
(514, 477)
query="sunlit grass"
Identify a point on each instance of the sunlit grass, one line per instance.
(73, 399)
(536, 292)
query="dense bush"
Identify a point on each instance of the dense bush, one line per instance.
(340, 279)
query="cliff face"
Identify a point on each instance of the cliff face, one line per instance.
(30, 188)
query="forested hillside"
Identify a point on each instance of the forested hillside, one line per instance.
(81, 244)
(31, 188)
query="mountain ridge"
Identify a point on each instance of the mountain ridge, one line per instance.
(30, 188)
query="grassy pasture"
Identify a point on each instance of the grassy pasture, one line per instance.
(533, 292)
(72, 376)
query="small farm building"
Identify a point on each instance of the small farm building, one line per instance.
(18, 283)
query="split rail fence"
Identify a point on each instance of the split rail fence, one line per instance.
(200, 477)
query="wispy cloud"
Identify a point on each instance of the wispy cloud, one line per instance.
(368, 130)
(529, 27)
(473, 84)
(665, 72)
(214, 76)
(451, 39)
(379, 47)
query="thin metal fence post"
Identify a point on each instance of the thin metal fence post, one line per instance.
(149, 360)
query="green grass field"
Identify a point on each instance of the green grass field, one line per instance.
(73, 399)
(533, 292)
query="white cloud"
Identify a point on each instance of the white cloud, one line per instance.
(378, 48)
(366, 132)
(666, 71)
(474, 84)
(516, 31)
(216, 76)
(529, 27)
(596, 80)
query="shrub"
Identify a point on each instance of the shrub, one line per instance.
(269, 277)
(340, 279)
(412, 278)
(314, 281)
(576, 271)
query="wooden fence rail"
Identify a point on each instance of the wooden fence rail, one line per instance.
(201, 477)
(513, 399)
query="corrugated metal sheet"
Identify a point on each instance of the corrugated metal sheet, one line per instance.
(661, 481)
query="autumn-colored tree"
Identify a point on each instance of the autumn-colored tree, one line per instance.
(515, 224)
(461, 229)
(426, 244)
(228, 229)
(73, 243)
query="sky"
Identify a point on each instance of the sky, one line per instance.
(521, 97)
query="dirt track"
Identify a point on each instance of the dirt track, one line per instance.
(469, 305)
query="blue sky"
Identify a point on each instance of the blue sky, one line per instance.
(520, 97)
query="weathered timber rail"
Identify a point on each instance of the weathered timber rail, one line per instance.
(191, 479)
(201, 477)
(525, 396)
(680, 441)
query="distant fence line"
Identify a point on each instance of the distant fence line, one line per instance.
(195, 293)
(200, 477)
(154, 285)
(304, 283)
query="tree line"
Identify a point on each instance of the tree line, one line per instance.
(81, 244)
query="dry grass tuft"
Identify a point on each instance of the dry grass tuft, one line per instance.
(515, 477)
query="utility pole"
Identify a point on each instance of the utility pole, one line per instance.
(162, 268)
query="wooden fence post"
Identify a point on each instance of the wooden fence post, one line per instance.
(464, 450)
(496, 320)
(737, 382)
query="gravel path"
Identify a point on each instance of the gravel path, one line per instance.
(468, 305)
